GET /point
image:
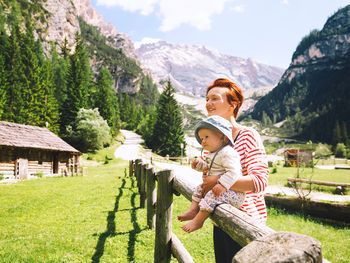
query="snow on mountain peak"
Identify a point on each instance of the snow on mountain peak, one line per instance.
(193, 67)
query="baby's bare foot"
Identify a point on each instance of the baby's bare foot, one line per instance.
(192, 226)
(188, 215)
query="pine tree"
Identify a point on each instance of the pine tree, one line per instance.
(3, 53)
(337, 136)
(106, 100)
(168, 132)
(146, 126)
(50, 106)
(79, 86)
(60, 67)
(16, 93)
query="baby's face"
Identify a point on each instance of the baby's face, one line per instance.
(210, 140)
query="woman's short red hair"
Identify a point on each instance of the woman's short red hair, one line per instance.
(234, 93)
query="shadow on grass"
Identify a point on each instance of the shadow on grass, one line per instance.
(110, 231)
(133, 233)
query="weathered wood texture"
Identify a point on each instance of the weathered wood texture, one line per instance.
(151, 197)
(334, 211)
(233, 221)
(162, 249)
(38, 161)
(138, 164)
(179, 251)
(242, 228)
(131, 168)
(143, 185)
(325, 183)
(281, 247)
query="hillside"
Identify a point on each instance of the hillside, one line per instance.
(313, 93)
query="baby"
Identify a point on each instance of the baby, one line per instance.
(215, 136)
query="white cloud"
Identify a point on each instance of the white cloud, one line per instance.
(285, 2)
(174, 13)
(146, 40)
(238, 8)
(197, 13)
(145, 7)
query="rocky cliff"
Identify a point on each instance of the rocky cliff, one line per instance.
(192, 68)
(313, 93)
(64, 23)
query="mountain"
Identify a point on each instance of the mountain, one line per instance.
(192, 68)
(107, 46)
(313, 94)
(63, 22)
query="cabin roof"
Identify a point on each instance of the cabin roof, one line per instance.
(27, 136)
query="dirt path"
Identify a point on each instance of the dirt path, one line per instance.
(131, 148)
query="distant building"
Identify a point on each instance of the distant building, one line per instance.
(298, 157)
(28, 150)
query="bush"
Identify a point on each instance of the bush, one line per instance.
(1, 177)
(323, 151)
(340, 150)
(93, 132)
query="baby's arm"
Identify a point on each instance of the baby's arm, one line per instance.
(230, 161)
(199, 164)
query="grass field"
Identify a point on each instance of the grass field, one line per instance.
(96, 218)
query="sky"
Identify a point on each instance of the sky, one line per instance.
(265, 30)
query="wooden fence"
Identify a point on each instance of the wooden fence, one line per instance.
(260, 243)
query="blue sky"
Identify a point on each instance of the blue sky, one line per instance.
(265, 30)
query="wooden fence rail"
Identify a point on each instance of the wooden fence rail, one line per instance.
(260, 243)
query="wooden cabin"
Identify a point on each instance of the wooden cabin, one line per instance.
(298, 157)
(29, 150)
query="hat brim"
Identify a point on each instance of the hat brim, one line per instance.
(206, 125)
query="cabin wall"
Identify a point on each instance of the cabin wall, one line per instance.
(7, 163)
(39, 161)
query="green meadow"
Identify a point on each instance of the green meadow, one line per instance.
(96, 218)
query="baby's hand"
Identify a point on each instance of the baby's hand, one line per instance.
(218, 189)
(194, 162)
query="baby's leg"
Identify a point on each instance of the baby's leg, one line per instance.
(194, 208)
(234, 198)
(206, 206)
(196, 222)
(190, 213)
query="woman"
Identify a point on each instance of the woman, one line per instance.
(224, 98)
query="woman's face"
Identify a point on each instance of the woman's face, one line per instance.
(217, 103)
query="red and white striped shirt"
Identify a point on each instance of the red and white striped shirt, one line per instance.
(251, 150)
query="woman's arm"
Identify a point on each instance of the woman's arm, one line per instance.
(243, 184)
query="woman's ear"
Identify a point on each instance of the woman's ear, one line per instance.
(233, 105)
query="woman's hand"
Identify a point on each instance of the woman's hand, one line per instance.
(208, 183)
(218, 189)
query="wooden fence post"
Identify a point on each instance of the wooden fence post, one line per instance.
(138, 164)
(131, 168)
(151, 196)
(143, 185)
(162, 249)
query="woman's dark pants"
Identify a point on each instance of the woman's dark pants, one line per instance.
(224, 246)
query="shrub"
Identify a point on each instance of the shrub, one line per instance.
(93, 132)
(323, 151)
(340, 150)
(1, 177)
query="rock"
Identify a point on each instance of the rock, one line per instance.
(281, 247)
